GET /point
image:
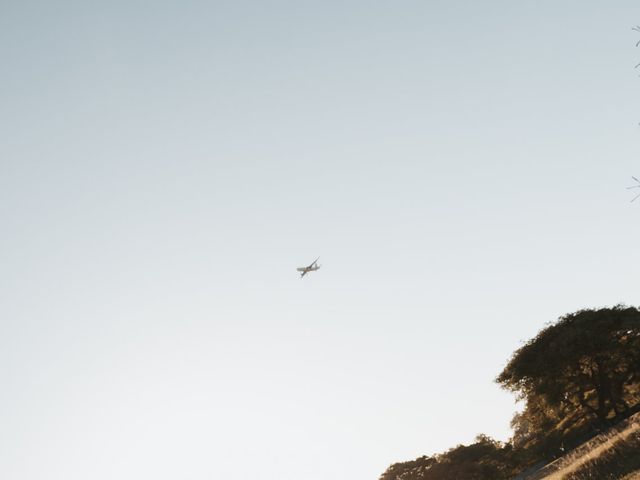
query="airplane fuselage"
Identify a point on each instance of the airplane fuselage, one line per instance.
(308, 269)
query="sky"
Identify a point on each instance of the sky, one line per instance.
(459, 167)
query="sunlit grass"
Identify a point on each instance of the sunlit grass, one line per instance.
(614, 455)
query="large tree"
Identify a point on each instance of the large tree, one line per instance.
(588, 362)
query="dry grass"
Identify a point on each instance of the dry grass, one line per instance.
(614, 455)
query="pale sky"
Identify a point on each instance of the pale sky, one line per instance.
(459, 166)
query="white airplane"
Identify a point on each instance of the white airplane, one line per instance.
(311, 268)
(635, 186)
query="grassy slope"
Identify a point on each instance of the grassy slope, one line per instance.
(613, 455)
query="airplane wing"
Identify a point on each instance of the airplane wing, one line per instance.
(304, 273)
(314, 262)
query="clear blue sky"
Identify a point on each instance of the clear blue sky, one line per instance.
(459, 166)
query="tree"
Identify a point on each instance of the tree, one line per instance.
(587, 363)
(486, 459)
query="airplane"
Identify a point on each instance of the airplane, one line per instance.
(635, 186)
(311, 268)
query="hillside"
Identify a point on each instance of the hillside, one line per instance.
(613, 455)
(576, 378)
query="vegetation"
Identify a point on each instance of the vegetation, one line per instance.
(611, 455)
(577, 378)
(484, 459)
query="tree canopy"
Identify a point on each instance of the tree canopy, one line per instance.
(588, 362)
(484, 459)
